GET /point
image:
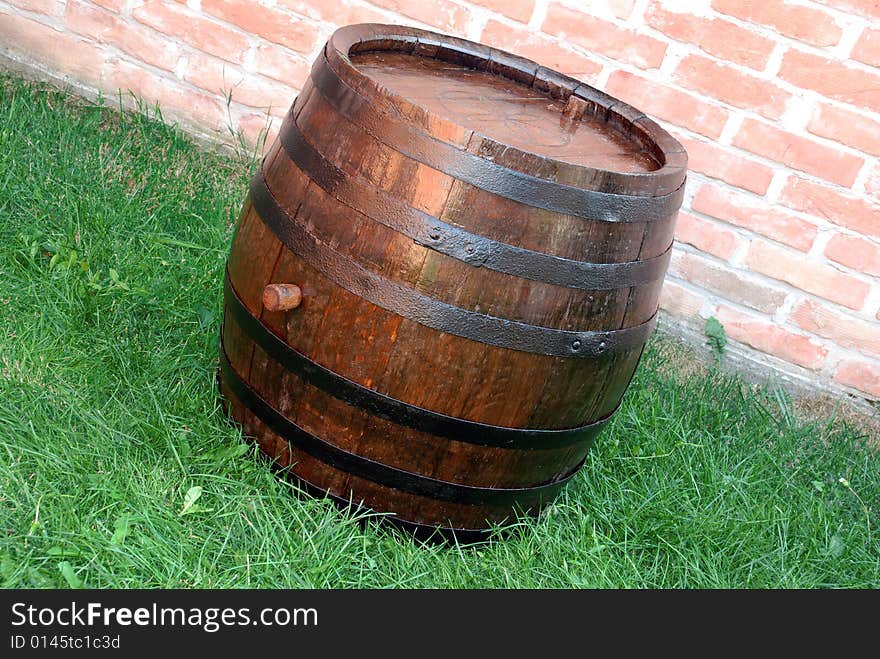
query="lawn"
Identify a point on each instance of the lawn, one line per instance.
(114, 233)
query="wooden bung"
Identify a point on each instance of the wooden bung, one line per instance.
(282, 297)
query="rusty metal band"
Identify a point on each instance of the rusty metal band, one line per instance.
(409, 303)
(398, 411)
(377, 472)
(455, 242)
(483, 173)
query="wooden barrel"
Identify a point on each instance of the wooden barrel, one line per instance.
(443, 277)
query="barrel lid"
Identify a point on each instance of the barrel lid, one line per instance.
(506, 109)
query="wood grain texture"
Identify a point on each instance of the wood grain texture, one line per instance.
(501, 109)
(504, 111)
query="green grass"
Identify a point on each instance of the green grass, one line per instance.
(112, 244)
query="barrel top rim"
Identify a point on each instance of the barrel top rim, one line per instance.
(371, 37)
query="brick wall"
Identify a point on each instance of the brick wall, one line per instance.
(777, 103)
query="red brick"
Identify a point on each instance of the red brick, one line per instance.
(269, 23)
(677, 300)
(755, 215)
(808, 24)
(518, 10)
(37, 6)
(844, 330)
(768, 337)
(603, 37)
(279, 64)
(860, 375)
(730, 284)
(669, 104)
(217, 77)
(846, 127)
(195, 107)
(338, 12)
(867, 48)
(253, 126)
(706, 236)
(88, 20)
(798, 152)
(822, 201)
(718, 37)
(526, 43)
(732, 86)
(870, 8)
(718, 162)
(111, 28)
(197, 31)
(832, 78)
(807, 275)
(855, 252)
(60, 52)
(443, 14)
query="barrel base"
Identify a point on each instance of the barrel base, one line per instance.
(427, 533)
(421, 532)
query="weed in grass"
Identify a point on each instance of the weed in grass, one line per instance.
(716, 338)
(119, 469)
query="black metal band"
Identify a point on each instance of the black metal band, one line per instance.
(455, 242)
(411, 304)
(432, 533)
(483, 173)
(398, 411)
(378, 472)
(422, 532)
